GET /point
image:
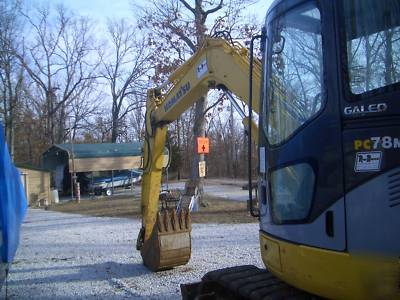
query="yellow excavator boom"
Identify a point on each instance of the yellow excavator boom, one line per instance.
(216, 64)
(164, 240)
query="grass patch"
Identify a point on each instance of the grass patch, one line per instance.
(218, 210)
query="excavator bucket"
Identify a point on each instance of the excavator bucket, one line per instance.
(170, 242)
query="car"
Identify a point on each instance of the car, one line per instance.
(124, 178)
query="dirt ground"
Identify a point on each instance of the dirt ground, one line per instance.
(218, 210)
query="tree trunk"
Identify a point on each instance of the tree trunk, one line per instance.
(114, 130)
(389, 78)
(232, 143)
(368, 64)
(61, 125)
(200, 107)
(11, 124)
(10, 118)
(5, 113)
(179, 146)
(198, 131)
(50, 97)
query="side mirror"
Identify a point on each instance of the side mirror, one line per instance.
(279, 46)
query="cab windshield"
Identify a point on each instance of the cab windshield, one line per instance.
(295, 76)
(372, 30)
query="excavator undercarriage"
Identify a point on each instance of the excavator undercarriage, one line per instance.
(240, 283)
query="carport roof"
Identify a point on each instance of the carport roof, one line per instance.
(102, 149)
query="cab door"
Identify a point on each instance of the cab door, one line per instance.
(301, 138)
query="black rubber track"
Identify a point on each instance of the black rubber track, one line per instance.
(250, 282)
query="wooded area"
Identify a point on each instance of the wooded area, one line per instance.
(61, 79)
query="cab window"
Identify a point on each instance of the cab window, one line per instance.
(372, 29)
(292, 190)
(294, 80)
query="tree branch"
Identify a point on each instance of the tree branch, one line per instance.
(188, 6)
(185, 38)
(215, 9)
(213, 105)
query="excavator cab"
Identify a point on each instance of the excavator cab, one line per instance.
(329, 214)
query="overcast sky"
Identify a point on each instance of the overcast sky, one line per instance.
(101, 9)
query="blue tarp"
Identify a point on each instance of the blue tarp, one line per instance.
(12, 203)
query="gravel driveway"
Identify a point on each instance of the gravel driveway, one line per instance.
(67, 256)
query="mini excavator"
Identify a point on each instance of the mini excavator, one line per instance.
(327, 93)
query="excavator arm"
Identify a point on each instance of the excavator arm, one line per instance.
(165, 237)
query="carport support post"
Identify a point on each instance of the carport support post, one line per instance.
(75, 187)
(131, 181)
(72, 186)
(112, 181)
(91, 181)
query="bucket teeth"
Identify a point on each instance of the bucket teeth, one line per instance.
(174, 221)
(166, 220)
(160, 223)
(169, 244)
(182, 220)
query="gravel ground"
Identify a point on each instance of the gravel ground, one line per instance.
(68, 256)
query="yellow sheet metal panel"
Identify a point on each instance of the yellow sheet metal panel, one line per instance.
(182, 95)
(331, 274)
(104, 163)
(151, 180)
(231, 68)
(271, 254)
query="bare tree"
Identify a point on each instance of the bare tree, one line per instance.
(59, 62)
(227, 136)
(177, 29)
(136, 125)
(100, 129)
(82, 112)
(11, 73)
(125, 67)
